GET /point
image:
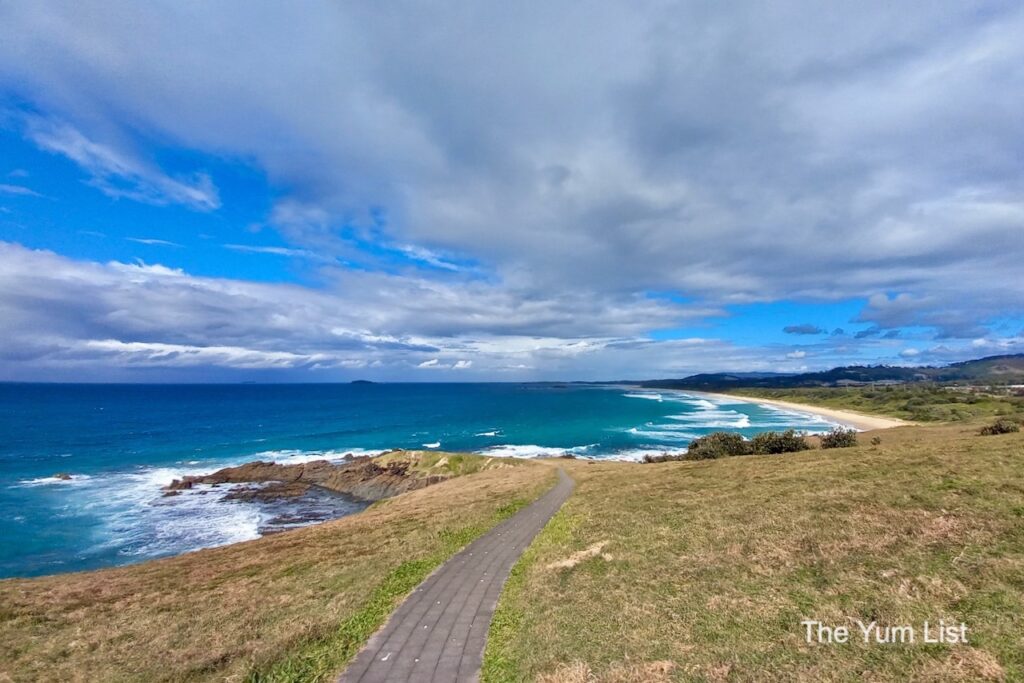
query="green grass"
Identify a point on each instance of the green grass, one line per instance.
(447, 464)
(322, 659)
(917, 403)
(707, 568)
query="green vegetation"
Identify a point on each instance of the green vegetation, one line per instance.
(717, 445)
(773, 443)
(999, 427)
(729, 444)
(288, 607)
(704, 570)
(914, 402)
(842, 438)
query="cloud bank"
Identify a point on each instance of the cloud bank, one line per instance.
(581, 157)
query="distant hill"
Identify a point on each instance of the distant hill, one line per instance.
(1007, 369)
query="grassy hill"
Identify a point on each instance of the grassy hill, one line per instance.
(293, 606)
(704, 570)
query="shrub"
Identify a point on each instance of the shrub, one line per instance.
(717, 445)
(1000, 427)
(841, 438)
(876, 441)
(769, 443)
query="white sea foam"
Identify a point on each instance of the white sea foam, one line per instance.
(494, 433)
(648, 396)
(76, 479)
(139, 522)
(295, 457)
(533, 451)
(665, 434)
(637, 454)
(434, 444)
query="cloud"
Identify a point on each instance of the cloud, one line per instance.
(18, 190)
(806, 328)
(632, 140)
(796, 354)
(64, 317)
(152, 242)
(276, 251)
(845, 152)
(119, 175)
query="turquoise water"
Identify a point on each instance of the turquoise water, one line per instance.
(122, 443)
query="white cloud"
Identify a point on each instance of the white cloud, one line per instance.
(18, 190)
(277, 251)
(149, 241)
(796, 354)
(118, 174)
(432, 363)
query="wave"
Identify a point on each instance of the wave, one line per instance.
(296, 457)
(648, 396)
(137, 521)
(435, 444)
(494, 433)
(663, 434)
(75, 479)
(637, 454)
(534, 451)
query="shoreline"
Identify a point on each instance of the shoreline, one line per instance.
(859, 421)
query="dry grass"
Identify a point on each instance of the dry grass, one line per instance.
(714, 564)
(230, 613)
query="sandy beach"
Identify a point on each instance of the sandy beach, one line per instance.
(849, 418)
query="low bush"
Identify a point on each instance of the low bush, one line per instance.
(1000, 427)
(840, 438)
(717, 445)
(770, 443)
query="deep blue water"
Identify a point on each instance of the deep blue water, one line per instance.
(122, 443)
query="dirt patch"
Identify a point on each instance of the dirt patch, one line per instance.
(967, 664)
(580, 672)
(581, 555)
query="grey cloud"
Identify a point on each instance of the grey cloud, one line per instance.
(62, 313)
(834, 141)
(731, 153)
(805, 328)
(949, 315)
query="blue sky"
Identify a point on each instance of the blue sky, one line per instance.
(208, 193)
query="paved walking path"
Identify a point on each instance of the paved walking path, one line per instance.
(439, 632)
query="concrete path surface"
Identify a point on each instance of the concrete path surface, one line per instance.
(439, 632)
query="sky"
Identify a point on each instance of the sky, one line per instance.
(492, 191)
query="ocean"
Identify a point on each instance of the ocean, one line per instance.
(121, 444)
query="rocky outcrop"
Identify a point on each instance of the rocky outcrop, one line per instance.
(362, 477)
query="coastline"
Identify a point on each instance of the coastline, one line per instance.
(849, 418)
